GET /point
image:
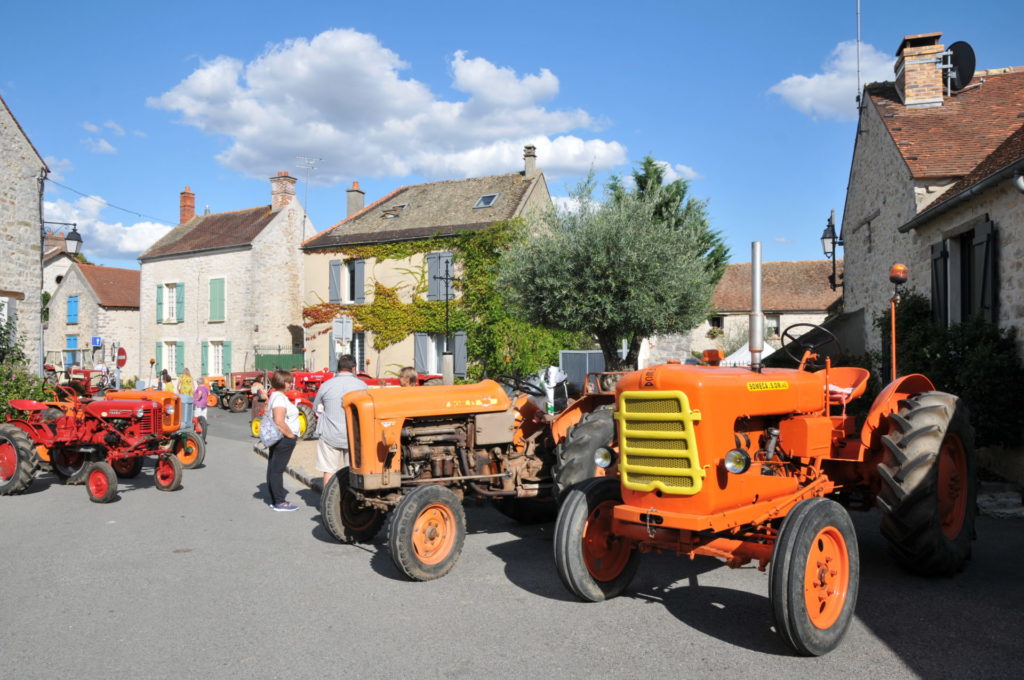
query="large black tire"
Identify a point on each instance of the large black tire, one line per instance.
(426, 532)
(929, 484)
(127, 468)
(528, 510)
(310, 430)
(238, 403)
(70, 466)
(574, 457)
(100, 482)
(813, 606)
(342, 514)
(17, 460)
(594, 565)
(167, 473)
(190, 449)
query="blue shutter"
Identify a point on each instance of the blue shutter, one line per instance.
(159, 356)
(203, 364)
(181, 302)
(359, 291)
(460, 357)
(73, 309)
(433, 285)
(334, 284)
(159, 305)
(421, 352)
(179, 359)
(226, 368)
(445, 265)
(72, 342)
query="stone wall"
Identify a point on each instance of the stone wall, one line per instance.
(21, 171)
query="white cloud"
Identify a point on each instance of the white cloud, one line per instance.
(832, 93)
(90, 127)
(341, 96)
(58, 166)
(117, 129)
(782, 239)
(678, 171)
(110, 239)
(99, 145)
(139, 133)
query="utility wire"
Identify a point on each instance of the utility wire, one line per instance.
(109, 204)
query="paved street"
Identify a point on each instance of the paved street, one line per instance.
(208, 582)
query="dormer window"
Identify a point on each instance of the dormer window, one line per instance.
(393, 211)
(486, 201)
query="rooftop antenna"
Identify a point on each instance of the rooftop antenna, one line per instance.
(309, 163)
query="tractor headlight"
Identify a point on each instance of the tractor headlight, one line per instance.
(737, 461)
(604, 457)
(140, 412)
(169, 409)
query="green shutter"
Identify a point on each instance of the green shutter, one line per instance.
(216, 299)
(227, 357)
(203, 364)
(181, 302)
(179, 359)
(159, 306)
(159, 356)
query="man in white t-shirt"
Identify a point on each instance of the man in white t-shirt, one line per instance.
(332, 446)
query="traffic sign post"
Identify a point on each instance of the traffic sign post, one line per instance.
(122, 359)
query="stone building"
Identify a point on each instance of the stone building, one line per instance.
(936, 184)
(93, 302)
(220, 287)
(791, 292)
(56, 261)
(22, 172)
(419, 211)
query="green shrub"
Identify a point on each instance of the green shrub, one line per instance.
(17, 382)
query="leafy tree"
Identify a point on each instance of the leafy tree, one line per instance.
(16, 381)
(617, 270)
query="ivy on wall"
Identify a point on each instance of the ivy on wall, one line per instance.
(497, 341)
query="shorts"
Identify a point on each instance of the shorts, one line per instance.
(330, 458)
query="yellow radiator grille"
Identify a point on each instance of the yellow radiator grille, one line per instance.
(657, 442)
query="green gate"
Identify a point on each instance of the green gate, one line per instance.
(270, 362)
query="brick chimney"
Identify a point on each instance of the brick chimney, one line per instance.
(918, 72)
(282, 190)
(530, 161)
(186, 206)
(355, 199)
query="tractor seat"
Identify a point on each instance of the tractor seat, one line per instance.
(846, 383)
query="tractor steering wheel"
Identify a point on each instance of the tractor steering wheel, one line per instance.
(521, 385)
(789, 339)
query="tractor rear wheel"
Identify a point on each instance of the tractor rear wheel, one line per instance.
(167, 475)
(929, 480)
(190, 450)
(344, 516)
(70, 465)
(212, 401)
(307, 422)
(101, 482)
(814, 576)
(127, 468)
(426, 532)
(17, 460)
(238, 403)
(594, 564)
(574, 457)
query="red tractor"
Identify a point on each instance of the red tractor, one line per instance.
(92, 442)
(758, 464)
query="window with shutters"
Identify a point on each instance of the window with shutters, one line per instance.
(217, 301)
(73, 309)
(964, 275)
(170, 356)
(170, 302)
(216, 366)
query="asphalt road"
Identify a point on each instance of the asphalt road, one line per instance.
(208, 582)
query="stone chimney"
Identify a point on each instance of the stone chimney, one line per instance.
(530, 161)
(186, 206)
(356, 199)
(918, 72)
(282, 190)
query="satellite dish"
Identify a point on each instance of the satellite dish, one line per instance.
(961, 61)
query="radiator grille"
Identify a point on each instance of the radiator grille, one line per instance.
(658, 443)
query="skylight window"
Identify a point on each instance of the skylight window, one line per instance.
(393, 211)
(486, 201)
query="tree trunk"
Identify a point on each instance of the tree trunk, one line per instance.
(612, 362)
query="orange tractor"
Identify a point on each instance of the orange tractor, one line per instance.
(418, 451)
(757, 464)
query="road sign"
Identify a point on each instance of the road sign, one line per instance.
(97, 341)
(122, 357)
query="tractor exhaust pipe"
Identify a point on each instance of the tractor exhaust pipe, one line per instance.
(756, 339)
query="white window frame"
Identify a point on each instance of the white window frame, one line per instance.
(170, 301)
(437, 347)
(170, 350)
(215, 357)
(348, 295)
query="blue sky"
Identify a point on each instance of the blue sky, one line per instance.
(129, 102)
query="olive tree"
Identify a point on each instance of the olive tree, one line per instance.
(616, 270)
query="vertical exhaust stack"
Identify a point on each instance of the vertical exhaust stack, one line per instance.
(756, 340)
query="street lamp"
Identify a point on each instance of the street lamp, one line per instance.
(73, 244)
(72, 240)
(829, 241)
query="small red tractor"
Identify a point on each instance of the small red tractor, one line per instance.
(757, 464)
(418, 451)
(90, 442)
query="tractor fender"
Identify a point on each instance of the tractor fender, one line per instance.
(888, 401)
(28, 405)
(37, 432)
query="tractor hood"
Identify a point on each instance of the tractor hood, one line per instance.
(431, 400)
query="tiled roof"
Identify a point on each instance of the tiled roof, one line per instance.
(113, 287)
(785, 287)
(1010, 151)
(433, 208)
(952, 139)
(210, 232)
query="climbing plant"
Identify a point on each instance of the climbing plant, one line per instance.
(497, 340)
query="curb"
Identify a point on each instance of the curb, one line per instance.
(312, 480)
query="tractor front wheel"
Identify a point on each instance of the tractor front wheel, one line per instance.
(307, 422)
(17, 458)
(254, 427)
(426, 532)
(101, 482)
(593, 563)
(344, 516)
(127, 468)
(814, 575)
(70, 465)
(190, 450)
(929, 480)
(167, 475)
(238, 403)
